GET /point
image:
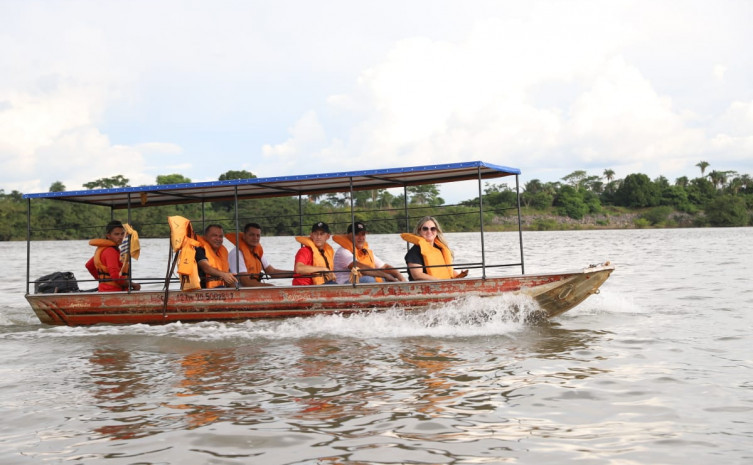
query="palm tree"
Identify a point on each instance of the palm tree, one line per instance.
(702, 165)
(717, 178)
(746, 181)
(735, 185)
(609, 174)
(385, 198)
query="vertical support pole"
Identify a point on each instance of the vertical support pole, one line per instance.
(481, 223)
(300, 214)
(237, 230)
(520, 226)
(28, 244)
(203, 225)
(130, 263)
(353, 226)
(405, 207)
(407, 219)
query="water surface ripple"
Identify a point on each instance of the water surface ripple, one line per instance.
(655, 369)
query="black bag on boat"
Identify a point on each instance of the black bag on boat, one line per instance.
(59, 281)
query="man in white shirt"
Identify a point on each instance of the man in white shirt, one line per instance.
(252, 264)
(369, 265)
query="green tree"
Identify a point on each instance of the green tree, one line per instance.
(637, 190)
(337, 200)
(702, 165)
(718, 178)
(735, 185)
(576, 178)
(539, 200)
(700, 192)
(570, 203)
(427, 194)
(533, 186)
(594, 184)
(727, 210)
(591, 199)
(385, 199)
(233, 174)
(747, 183)
(609, 174)
(608, 193)
(657, 215)
(676, 196)
(164, 179)
(57, 186)
(108, 183)
(361, 199)
(12, 216)
(661, 182)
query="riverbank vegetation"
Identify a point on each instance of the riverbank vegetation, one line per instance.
(578, 201)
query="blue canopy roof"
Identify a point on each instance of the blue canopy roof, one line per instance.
(170, 194)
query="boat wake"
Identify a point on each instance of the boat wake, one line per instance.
(471, 316)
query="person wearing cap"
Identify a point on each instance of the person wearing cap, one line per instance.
(314, 261)
(370, 267)
(252, 263)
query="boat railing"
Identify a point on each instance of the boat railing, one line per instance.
(233, 202)
(173, 280)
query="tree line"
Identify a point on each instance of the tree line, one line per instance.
(719, 198)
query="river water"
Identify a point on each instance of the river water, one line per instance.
(656, 369)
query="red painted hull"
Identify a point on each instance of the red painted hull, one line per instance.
(555, 293)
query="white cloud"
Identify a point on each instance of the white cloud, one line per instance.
(514, 95)
(144, 88)
(54, 136)
(159, 148)
(620, 116)
(433, 101)
(719, 72)
(307, 133)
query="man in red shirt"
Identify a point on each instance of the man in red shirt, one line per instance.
(105, 265)
(314, 261)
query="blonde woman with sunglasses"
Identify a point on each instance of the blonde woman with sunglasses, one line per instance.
(430, 258)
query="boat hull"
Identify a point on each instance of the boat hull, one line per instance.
(555, 294)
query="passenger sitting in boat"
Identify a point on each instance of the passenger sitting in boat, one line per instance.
(252, 263)
(429, 251)
(370, 267)
(105, 265)
(314, 261)
(212, 259)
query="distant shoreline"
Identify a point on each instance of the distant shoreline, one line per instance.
(549, 222)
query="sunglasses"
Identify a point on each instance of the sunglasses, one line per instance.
(426, 228)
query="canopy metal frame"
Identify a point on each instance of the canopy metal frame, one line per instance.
(286, 186)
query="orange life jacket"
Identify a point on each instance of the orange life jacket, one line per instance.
(103, 274)
(326, 260)
(364, 255)
(436, 254)
(218, 260)
(252, 258)
(182, 242)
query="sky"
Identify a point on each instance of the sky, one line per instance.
(93, 89)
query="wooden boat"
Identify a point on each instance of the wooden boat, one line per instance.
(555, 293)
